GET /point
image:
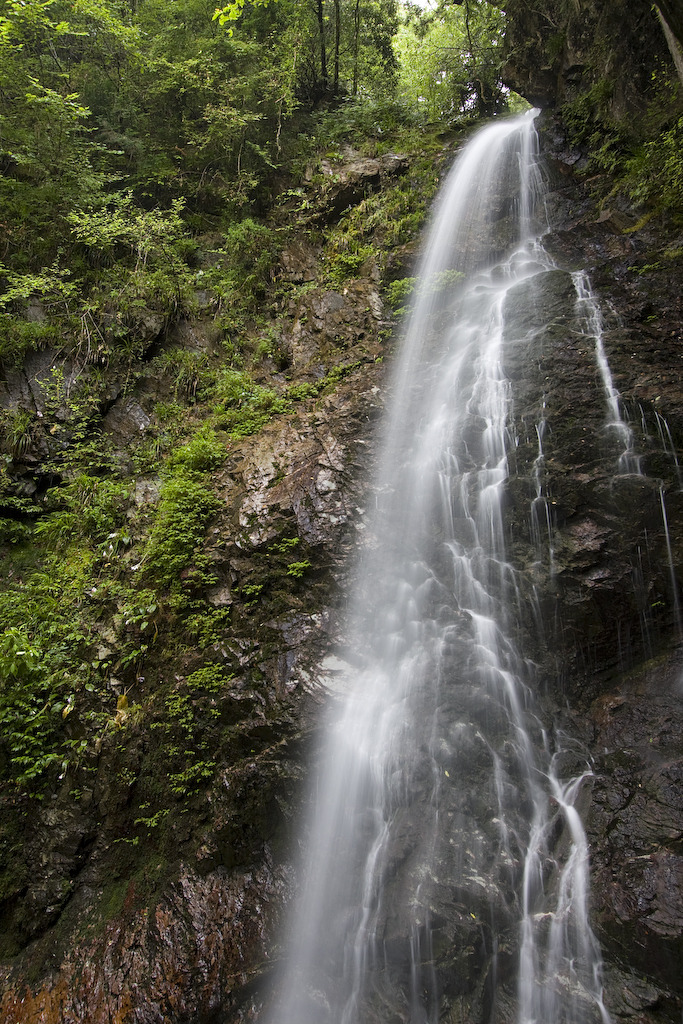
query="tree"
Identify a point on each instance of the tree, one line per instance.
(451, 59)
(358, 33)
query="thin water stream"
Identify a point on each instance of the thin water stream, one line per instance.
(629, 461)
(433, 848)
(588, 306)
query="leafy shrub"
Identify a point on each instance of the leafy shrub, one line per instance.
(90, 508)
(233, 388)
(29, 708)
(43, 678)
(186, 504)
(202, 453)
(358, 120)
(243, 406)
(243, 265)
(398, 292)
(147, 238)
(344, 263)
(655, 174)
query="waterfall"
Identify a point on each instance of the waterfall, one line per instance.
(446, 857)
(588, 306)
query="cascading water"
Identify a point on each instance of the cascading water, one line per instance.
(541, 517)
(629, 462)
(587, 305)
(444, 845)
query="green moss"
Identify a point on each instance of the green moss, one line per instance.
(346, 261)
(591, 127)
(208, 679)
(202, 453)
(186, 504)
(655, 174)
(207, 625)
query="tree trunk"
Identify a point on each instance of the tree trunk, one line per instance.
(356, 46)
(337, 35)
(323, 54)
(673, 41)
(672, 12)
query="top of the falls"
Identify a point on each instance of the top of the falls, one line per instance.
(488, 199)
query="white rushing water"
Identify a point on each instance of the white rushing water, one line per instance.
(439, 801)
(588, 306)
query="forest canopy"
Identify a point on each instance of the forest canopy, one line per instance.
(124, 119)
(131, 127)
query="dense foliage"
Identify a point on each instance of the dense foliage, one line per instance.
(128, 129)
(452, 59)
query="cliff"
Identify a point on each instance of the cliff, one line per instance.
(148, 881)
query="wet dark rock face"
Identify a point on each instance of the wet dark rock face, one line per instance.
(610, 647)
(636, 822)
(358, 177)
(184, 933)
(558, 49)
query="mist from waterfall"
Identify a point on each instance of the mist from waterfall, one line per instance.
(441, 805)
